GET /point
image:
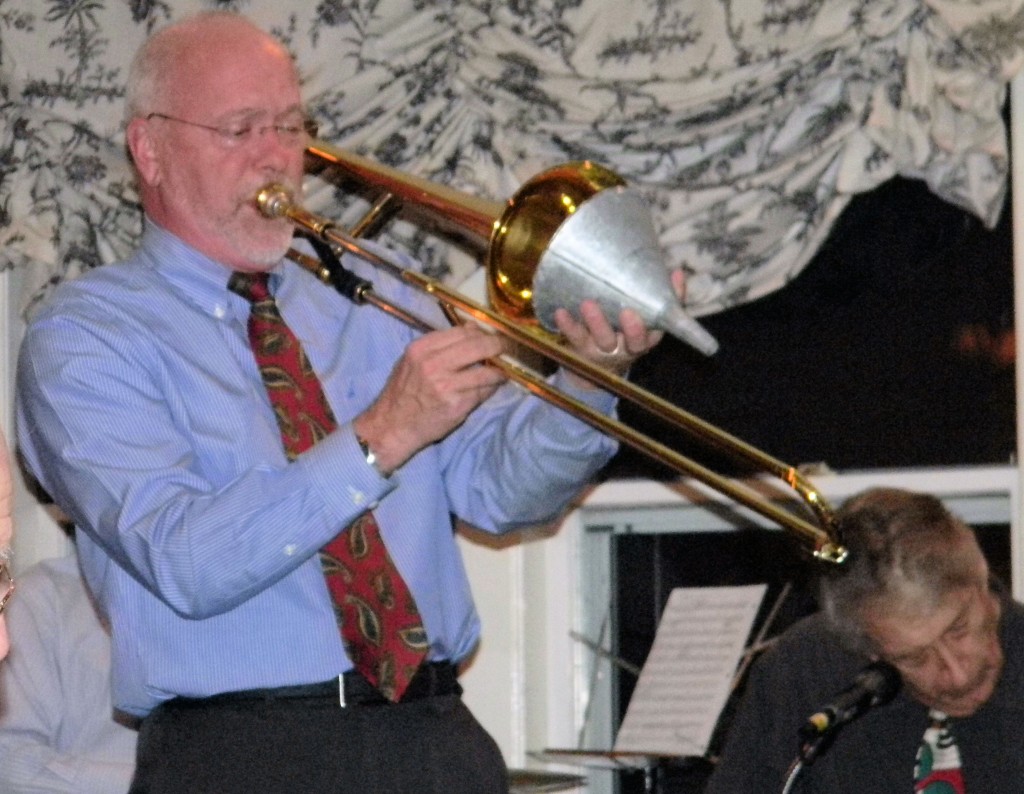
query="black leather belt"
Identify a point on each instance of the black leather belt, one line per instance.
(432, 679)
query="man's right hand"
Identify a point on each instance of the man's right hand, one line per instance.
(435, 385)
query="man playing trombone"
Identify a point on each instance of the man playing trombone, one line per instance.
(240, 448)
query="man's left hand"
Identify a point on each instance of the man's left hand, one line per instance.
(594, 338)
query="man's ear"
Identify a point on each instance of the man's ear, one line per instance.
(142, 148)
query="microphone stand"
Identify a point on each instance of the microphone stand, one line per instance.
(651, 778)
(876, 685)
(794, 772)
(811, 748)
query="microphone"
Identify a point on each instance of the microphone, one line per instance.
(875, 685)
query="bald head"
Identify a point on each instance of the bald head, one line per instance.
(215, 113)
(174, 60)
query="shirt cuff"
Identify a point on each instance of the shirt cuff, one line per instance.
(341, 474)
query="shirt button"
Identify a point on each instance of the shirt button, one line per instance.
(290, 549)
(219, 312)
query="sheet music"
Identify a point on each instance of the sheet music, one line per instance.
(686, 679)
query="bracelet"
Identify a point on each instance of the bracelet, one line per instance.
(371, 457)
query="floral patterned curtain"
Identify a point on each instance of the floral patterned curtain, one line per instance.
(747, 124)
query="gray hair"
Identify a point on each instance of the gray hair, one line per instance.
(907, 551)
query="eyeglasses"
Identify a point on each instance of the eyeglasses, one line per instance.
(240, 133)
(6, 585)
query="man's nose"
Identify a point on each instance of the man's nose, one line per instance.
(954, 666)
(277, 147)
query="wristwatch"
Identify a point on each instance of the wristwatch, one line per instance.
(371, 458)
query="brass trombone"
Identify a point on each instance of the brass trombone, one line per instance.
(518, 233)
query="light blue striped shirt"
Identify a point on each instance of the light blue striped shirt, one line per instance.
(142, 413)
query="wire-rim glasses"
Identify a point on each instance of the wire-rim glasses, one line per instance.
(240, 133)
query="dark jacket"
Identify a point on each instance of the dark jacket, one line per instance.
(807, 667)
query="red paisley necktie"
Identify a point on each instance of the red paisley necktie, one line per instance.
(380, 624)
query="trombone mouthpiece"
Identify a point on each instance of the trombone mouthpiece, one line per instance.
(273, 200)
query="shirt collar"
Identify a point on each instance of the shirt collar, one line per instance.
(202, 280)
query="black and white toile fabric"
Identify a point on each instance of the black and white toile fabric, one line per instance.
(747, 124)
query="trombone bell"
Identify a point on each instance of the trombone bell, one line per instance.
(529, 221)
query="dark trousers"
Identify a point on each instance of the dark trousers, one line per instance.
(312, 745)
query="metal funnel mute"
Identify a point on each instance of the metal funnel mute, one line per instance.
(608, 251)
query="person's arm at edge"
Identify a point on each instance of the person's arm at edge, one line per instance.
(31, 710)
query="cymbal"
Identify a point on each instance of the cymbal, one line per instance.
(528, 781)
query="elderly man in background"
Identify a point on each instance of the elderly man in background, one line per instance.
(915, 594)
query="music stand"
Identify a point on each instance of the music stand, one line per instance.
(684, 683)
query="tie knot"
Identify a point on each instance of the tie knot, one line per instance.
(251, 286)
